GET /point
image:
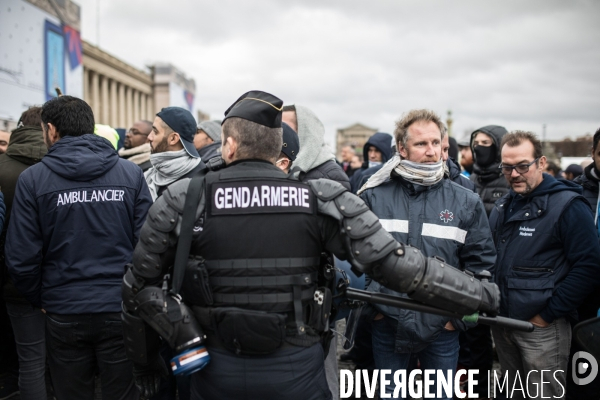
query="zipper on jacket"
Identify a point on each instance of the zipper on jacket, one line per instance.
(525, 269)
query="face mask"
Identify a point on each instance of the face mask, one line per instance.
(374, 163)
(485, 156)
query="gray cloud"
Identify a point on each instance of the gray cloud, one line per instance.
(520, 64)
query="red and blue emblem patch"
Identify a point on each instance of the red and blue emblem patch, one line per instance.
(446, 216)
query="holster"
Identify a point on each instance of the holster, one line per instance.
(248, 332)
(319, 310)
(196, 287)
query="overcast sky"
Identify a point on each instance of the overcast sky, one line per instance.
(514, 63)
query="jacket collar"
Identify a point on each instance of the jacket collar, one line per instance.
(534, 208)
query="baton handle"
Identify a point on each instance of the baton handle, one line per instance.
(507, 323)
(395, 301)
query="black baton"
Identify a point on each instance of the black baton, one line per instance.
(394, 301)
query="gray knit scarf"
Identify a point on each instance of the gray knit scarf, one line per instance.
(417, 173)
(167, 168)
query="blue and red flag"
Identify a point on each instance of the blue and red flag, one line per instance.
(189, 99)
(73, 45)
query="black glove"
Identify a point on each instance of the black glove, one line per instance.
(147, 377)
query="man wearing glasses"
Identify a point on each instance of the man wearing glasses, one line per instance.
(548, 262)
(136, 147)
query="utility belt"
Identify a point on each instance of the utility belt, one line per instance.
(297, 315)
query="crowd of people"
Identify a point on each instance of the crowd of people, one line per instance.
(91, 231)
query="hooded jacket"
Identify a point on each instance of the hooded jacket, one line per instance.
(444, 220)
(589, 182)
(26, 148)
(75, 222)
(210, 151)
(382, 142)
(548, 251)
(489, 181)
(315, 159)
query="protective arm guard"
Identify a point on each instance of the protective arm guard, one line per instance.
(145, 304)
(374, 251)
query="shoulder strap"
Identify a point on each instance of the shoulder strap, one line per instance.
(194, 198)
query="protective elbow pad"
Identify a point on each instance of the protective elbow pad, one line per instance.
(450, 289)
(401, 270)
(147, 264)
(141, 343)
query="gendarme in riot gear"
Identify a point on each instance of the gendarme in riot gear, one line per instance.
(251, 292)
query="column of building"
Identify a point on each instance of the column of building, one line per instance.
(115, 103)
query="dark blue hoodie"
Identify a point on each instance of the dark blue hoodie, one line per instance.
(75, 221)
(548, 252)
(382, 142)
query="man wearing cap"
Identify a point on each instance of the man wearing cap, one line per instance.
(136, 147)
(573, 171)
(173, 153)
(289, 149)
(254, 265)
(208, 140)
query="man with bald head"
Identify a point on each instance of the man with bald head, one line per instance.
(136, 147)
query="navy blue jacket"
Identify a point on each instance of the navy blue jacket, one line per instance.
(445, 220)
(75, 221)
(455, 175)
(548, 251)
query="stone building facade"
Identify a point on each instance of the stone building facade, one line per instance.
(356, 135)
(118, 93)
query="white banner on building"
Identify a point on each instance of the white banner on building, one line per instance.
(40, 49)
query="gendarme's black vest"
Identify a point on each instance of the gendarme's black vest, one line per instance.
(261, 240)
